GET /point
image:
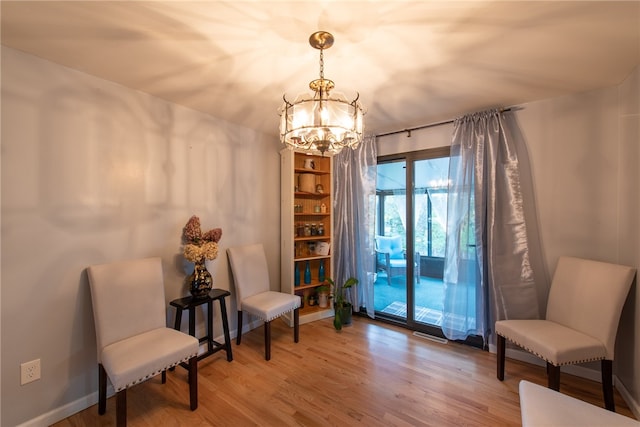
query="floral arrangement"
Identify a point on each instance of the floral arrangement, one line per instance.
(199, 246)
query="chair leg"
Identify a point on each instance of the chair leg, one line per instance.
(239, 330)
(267, 340)
(102, 389)
(553, 376)
(296, 325)
(193, 383)
(607, 384)
(164, 376)
(501, 350)
(121, 408)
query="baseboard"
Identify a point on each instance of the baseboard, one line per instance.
(62, 412)
(628, 398)
(246, 328)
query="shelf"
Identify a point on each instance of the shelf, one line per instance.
(308, 286)
(313, 171)
(304, 194)
(312, 238)
(311, 214)
(311, 258)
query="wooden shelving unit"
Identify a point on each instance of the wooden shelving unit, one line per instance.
(306, 212)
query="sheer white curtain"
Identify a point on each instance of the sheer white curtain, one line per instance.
(354, 220)
(492, 245)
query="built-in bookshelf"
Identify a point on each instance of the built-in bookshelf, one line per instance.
(306, 229)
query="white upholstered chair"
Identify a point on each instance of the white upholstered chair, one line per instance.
(251, 278)
(543, 407)
(391, 258)
(134, 343)
(583, 311)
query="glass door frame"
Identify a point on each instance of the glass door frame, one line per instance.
(410, 158)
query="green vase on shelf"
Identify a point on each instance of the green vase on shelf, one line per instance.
(321, 276)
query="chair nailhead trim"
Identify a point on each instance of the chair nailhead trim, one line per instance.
(573, 362)
(146, 377)
(288, 309)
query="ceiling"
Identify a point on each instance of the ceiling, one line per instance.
(413, 63)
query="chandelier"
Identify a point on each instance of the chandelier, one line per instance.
(325, 122)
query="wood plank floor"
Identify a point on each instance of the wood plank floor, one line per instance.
(369, 374)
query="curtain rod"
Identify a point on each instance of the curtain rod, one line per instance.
(430, 125)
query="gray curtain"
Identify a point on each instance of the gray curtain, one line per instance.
(354, 220)
(493, 262)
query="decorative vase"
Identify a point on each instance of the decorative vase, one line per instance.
(200, 281)
(321, 276)
(342, 316)
(307, 273)
(323, 300)
(296, 275)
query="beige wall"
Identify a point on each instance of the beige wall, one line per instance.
(93, 172)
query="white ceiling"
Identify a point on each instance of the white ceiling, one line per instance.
(413, 63)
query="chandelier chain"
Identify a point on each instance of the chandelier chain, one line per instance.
(321, 64)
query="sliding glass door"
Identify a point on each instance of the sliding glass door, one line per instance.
(410, 238)
(390, 289)
(430, 190)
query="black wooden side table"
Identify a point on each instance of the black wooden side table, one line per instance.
(190, 303)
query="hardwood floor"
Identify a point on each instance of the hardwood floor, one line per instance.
(369, 374)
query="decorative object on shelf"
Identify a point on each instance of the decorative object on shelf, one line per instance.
(296, 275)
(199, 247)
(307, 182)
(323, 296)
(321, 276)
(307, 273)
(341, 304)
(322, 248)
(309, 164)
(319, 189)
(323, 208)
(325, 122)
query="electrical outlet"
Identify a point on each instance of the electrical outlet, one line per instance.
(29, 371)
